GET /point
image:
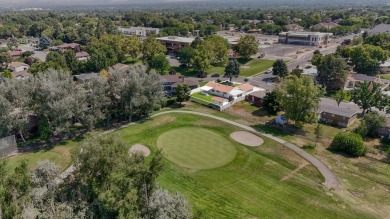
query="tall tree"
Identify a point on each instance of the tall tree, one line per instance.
(332, 72)
(279, 68)
(71, 61)
(183, 93)
(160, 63)
(367, 58)
(186, 55)
(300, 99)
(340, 96)
(367, 95)
(232, 69)
(152, 47)
(5, 59)
(374, 121)
(248, 45)
(271, 103)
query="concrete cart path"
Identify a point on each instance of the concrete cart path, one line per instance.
(331, 181)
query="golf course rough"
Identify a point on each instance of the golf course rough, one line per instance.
(196, 148)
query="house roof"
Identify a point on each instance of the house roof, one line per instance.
(325, 25)
(259, 94)
(294, 27)
(219, 99)
(69, 45)
(81, 54)
(17, 64)
(220, 87)
(362, 77)
(15, 53)
(120, 66)
(245, 87)
(22, 74)
(380, 28)
(176, 80)
(177, 39)
(345, 109)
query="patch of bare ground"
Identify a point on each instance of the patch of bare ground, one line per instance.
(292, 173)
(161, 120)
(249, 114)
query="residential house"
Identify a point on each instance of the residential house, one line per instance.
(20, 75)
(18, 66)
(324, 26)
(86, 77)
(226, 91)
(342, 116)
(354, 79)
(380, 28)
(69, 46)
(33, 41)
(219, 101)
(15, 54)
(82, 56)
(174, 43)
(294, 27)
(256, 97)
(170, 82)
(232, 54)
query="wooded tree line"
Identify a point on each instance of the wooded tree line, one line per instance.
(107, 183)
(55, 102)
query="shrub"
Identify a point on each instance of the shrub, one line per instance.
(350, 143)
(246, 79)
(361, 129)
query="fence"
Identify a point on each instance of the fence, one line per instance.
(8, 145)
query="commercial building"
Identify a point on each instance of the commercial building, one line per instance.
(305, 38)
(139, 31)
(174, 43)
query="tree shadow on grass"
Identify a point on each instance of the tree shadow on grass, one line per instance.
(276, 130)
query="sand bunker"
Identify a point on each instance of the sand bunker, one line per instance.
(139, 148)
(247, 138)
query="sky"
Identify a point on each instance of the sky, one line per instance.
(76, 2)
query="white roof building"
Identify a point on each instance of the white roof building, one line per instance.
(305, 38)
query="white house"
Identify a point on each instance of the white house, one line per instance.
(18, 66)
(226, 91)
(219, 101)
(82, 56)
(305, 38)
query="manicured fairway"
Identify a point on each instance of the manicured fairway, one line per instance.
(206, 151)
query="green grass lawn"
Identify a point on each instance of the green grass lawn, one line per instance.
(206, 98)
(258, 183)
(256, 66)
(332, 94)
(60, 155)
(196, 153)
(385, 76)
(250, 68)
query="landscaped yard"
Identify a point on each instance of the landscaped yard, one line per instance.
(199, 96)
(385, 76)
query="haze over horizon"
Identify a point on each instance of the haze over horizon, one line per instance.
(37, 3)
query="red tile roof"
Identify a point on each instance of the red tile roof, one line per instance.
(81, 54)
(16, 53)
(245, 87)
(20, 74)
(219, 99)
(17, 64)
(220, 87)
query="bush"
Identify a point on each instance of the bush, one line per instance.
(246, 79)
(361, 129)
(350, 143)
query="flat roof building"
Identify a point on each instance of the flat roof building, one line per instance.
(174, 43)
(380, 28)
(305, 38)
(139, 31)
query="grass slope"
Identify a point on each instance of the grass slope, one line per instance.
(258, 183)
(208, 151)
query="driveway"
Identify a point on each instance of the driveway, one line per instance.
(40, 55)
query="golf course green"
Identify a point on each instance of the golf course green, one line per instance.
(209, 150)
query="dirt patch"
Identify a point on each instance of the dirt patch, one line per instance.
(139, 148)
(292, 173)
(247, 138)
(161, 120)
